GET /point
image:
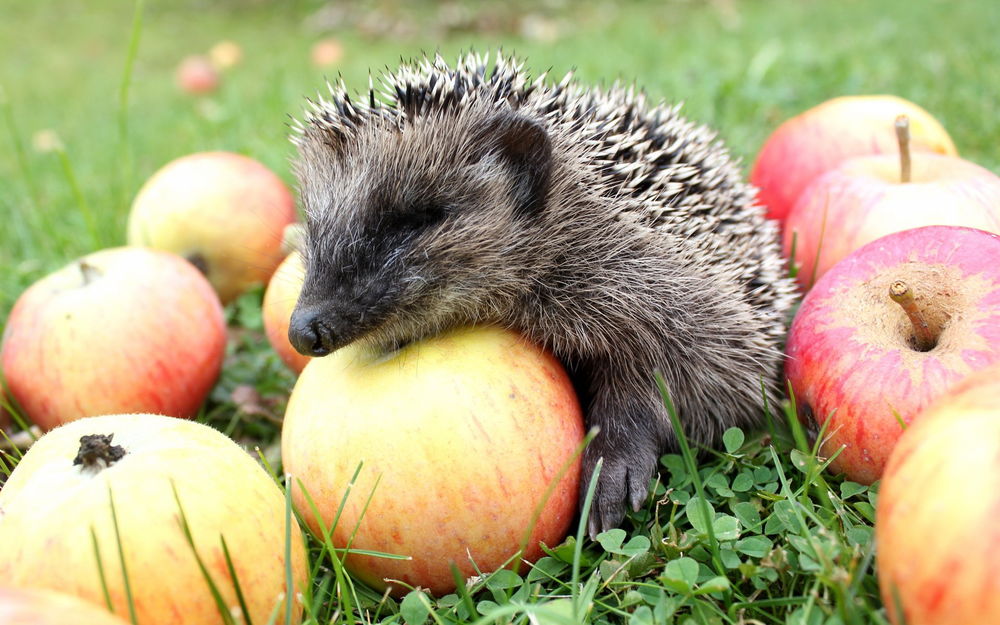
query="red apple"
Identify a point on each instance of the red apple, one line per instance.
(856, 359)
(32, 606)
(863, 199)
(936, 522)
(123, 329)
(279, 301)
(196, 75)
(461, 439)
(58, 501)
(222, 211)
(817, 140)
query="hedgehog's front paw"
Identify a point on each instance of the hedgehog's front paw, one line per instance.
(624, 478)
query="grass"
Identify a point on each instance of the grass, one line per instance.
(753, 532)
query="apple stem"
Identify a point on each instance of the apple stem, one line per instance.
(97, 452)
(89, 272)
(903, 137)
(902, 294)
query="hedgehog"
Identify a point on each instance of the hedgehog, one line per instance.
(614, 233)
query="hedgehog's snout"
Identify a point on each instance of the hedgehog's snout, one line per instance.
(308, 334)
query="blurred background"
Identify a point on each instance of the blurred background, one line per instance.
(91, 106)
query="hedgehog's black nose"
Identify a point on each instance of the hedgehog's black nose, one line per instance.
(307, 334)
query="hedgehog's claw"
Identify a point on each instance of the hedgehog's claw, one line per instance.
(624, 479)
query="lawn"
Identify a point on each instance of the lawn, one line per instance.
(787, 545)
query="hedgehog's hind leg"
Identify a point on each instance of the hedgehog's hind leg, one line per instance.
(629, 445)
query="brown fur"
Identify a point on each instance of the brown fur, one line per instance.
(618, 235)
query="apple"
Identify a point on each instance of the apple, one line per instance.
(326, 52)
(936, 524)
(225, 54)
(122, 329)
(818, 139)
(461, 438)
(868, 197)
(279, 301)
(32, 606)
(222, 211)
(859, 356)
(197, 75)
(58, 501)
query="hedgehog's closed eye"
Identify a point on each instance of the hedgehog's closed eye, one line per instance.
(413, 218)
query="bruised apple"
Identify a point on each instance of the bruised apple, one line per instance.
(936, 521)
(889, 329)
(222, 211)
(279, 301)
(139, 479)
(461, 439)
(33, 606)
(125, 329)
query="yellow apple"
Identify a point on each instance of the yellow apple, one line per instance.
(279, 301)
(462, 438)
(224, 212)
(32, 606)
(936, 524)
(125, 329)
(52, 509)
(225, 54)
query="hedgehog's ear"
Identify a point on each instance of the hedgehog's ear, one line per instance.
(524, 147)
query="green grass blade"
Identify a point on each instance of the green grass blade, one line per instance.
(236, 582)
(124, 148)
(121, 558)
(220, 603)
(289, 573)
(692, 467)
(100, 571)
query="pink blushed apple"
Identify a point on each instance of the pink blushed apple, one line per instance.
(820, 138)
(936, 523)
(197, 75)
(863, 199)
(123, 329)
(461, 438)
(854, 359)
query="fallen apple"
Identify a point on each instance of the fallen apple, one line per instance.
(224, 212)
(196, 75)
(936, 524)
(887, 330)
(279, 301)
(461, 439)
(143, 494)
(123, 329)
(818, 139)
(326, 52)
(33, 606)
(225, 54)
(868, 197)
